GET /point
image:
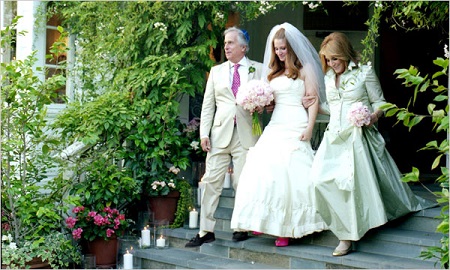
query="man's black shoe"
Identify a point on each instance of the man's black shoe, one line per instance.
(240, 236)
(198, 241)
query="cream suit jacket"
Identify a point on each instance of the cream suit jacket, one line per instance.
(219, 108)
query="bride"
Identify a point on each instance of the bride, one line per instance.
(275, 195)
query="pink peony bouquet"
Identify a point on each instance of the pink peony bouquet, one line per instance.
(359, 114)
(254, 94)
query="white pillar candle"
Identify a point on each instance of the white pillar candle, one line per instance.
(227, 181)
(161, 242)
(128, 260)
(145, 237)
(193, 219)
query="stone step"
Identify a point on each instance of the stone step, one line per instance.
(395, 245)
(424, 220)
(172, 258)
(260, 252)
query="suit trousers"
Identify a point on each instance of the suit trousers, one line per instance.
(217, 162)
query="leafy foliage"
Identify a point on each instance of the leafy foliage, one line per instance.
(407, 15)
(33, 204)
(438, 114)
(135, 61)
(43, 248)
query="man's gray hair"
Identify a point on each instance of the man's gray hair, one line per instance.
(241, 37)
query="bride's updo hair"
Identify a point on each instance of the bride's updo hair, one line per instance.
(292, 63)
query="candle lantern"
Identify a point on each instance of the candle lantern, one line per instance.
(161, 236)
(146, 237)
(193, 219)
(125, 253)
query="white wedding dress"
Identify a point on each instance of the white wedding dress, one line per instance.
(274, 195)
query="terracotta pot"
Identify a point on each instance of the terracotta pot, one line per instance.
(105, 252)
(164, 208)
(35, 263)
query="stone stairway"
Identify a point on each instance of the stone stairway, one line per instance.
(395, 245)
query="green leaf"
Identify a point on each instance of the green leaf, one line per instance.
(45, 149)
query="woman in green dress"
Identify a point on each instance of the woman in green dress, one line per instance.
(357, 183)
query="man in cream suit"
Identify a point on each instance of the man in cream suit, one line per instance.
(225, 129)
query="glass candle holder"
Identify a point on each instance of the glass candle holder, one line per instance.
(161, 236)
(125, 253)
(147, 237)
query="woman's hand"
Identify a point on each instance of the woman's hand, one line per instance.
(259, 109)
(307, 101)
(374, 117)
(270, 107)
(306, 135)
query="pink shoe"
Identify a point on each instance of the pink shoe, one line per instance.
(257, 233)
(282, 242)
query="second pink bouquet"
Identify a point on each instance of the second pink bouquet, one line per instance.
(359, 114)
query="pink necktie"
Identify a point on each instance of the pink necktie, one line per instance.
(236, 80)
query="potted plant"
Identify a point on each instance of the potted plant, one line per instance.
(54, 250)
(169, 197)
(32, 204)
(97, 230)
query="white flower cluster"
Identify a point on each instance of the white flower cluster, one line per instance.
(195, 145)
(120, 29)
(101, 26)
(174, 170)
(220, 15)
(265, 7)
(378, 4)
(359, 114)
(446, 54)
(312, 4)
(161, 26)
(162, 184)
(8, 238)
(254, 94)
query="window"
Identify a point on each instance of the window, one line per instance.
(56, 63)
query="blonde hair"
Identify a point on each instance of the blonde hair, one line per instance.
(292, 63)
(337, 45)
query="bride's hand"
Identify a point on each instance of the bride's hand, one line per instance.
(259, 109)
(306, 135)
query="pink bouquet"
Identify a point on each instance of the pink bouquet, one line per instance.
(254, 94)
(359, 114)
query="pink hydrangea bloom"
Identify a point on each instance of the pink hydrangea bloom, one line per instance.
(76, 234)
(109, 232)
(78, 209)
(70, 221)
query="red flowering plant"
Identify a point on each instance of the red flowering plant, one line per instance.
(89, 224)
